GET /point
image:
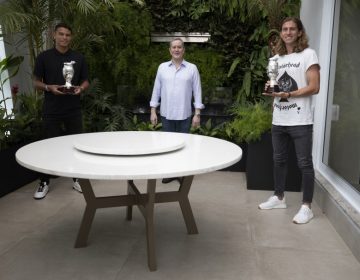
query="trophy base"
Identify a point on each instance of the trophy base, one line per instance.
(275, 88)
(283, 100)
(67, 90)
(272, 89)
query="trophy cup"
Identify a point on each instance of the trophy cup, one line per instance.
(68, 73)
(272, 71)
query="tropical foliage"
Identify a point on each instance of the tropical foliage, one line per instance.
(246, 47)
(33, 21)
(9, 66)
(100, 110)
(23, 125)
(138, 125)
(251, 120)
(115, 37)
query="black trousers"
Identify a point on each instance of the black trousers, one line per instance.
(60, 126)
(302, 136)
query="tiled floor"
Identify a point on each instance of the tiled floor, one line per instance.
(235, 240)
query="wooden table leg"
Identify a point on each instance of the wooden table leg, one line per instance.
(185, 205)
(89, 213)
(149, 220)
(129, 208)
(145, 203)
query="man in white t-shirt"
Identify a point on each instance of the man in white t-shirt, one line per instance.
(298, 80)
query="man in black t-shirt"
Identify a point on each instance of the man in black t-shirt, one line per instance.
(61, 111)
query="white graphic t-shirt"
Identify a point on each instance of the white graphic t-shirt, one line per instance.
(292, 76)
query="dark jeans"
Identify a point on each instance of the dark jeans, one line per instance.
(182, 126)
(54, 127)
(302, 136)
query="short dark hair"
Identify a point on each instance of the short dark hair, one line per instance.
(62, 25)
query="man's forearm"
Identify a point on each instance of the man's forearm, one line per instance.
(40, 85)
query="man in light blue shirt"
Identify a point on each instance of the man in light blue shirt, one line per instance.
(177, 81)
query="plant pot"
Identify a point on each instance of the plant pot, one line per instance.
(13, 175)
(259, 166)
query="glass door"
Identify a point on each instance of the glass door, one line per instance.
(342, 141)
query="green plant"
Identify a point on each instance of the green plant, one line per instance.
(208, 129)
(245, 48)
(100, 110)
(4, 126)
(10, 65)
(251, 120)
(26, 126)
(23, 125)
(31, 20)
(143, 126)
(210, 63)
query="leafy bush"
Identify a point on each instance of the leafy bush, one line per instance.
(138, 125)
(250, 121)
(24, 124)
(101, 111)
(209, 130)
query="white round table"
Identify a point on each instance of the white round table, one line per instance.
(196, 155)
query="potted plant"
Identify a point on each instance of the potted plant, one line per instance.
(252, 124)
(21, 127)
(18, 126)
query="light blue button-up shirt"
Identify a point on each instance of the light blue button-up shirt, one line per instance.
(176, 89)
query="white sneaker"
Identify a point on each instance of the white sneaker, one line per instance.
(41, 190)
(273, 203)
(304, 215)
(76, 186)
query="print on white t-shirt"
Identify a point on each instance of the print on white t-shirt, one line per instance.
(292, 76)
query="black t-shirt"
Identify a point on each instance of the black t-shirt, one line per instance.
(48, 68)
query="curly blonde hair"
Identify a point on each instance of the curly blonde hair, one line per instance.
(302, 42)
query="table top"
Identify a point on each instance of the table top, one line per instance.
(124, 143)
(58, 156)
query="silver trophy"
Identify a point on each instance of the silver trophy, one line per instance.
(68, 73)
(273, 72)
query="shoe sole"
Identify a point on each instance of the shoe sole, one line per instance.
(276, 207)
(38, 198)
(295, 222)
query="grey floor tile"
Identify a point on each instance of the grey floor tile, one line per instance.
(53, 257)
(297, 264)
(235, 240)
(192, 257)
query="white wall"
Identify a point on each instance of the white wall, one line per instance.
(318, 17)
(311, 16)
